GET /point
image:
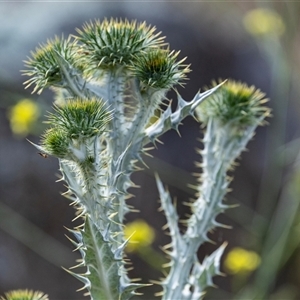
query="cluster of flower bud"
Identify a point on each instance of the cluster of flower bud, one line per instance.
(73, 124)
(108, 46)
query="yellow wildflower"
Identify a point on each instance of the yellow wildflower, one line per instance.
(261, 22)
(140, 234)
(22, 116)
(239, 260)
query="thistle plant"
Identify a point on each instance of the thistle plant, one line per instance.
(110, 80)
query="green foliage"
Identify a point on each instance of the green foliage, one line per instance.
(102, 262)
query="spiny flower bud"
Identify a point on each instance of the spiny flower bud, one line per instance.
(24, 295)
(74, 122)
(81, 117)
(55, 142)
(159, 69)
(112, 43)
(234, 102)
(43, 67)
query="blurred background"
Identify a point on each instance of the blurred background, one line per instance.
(254, 42)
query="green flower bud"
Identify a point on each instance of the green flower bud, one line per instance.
(113, 43)
(159, 69)
(24, 295)
(81, 118)
(43, 67)
(234, 102)
(55, 142)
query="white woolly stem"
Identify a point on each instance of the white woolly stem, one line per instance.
(222, 145)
